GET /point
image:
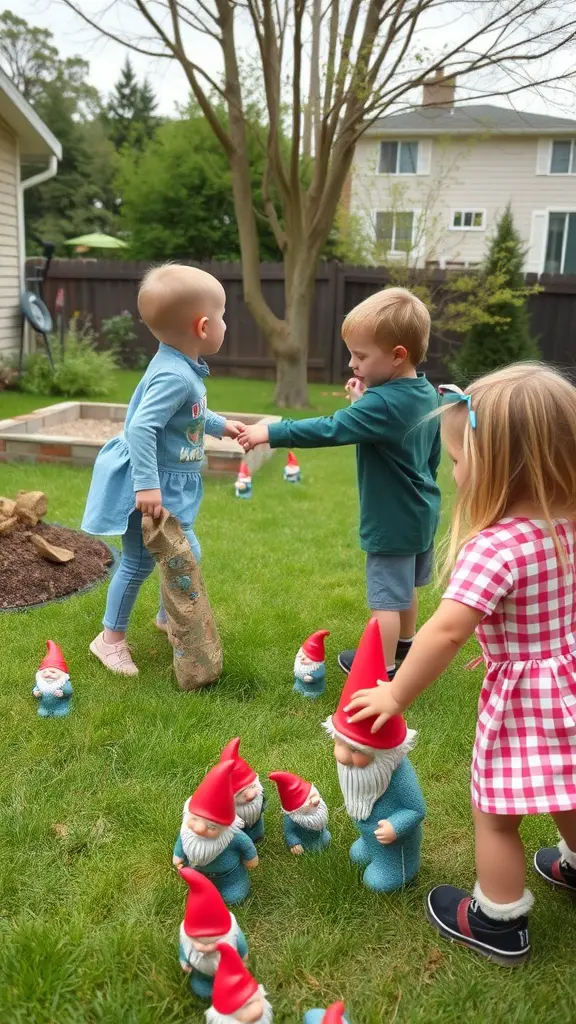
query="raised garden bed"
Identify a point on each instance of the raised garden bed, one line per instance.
(74, 432)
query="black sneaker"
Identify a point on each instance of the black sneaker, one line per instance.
(457, 916)
(345, 659)
(551, 865)
(402, 650)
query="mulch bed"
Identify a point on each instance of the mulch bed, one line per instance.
(27, 579)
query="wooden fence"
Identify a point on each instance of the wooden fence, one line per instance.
(104, 288)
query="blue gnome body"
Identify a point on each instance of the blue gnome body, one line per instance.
(311, 840)
(204, 967)
(310, 666)
(390, 866)
(226, 871)
(319, 1017)
(301, 803)
(53, 689)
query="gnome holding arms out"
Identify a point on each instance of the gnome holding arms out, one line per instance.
(249, 796)
(378, 783)
(207, 921)
(211, 838)
(333, 1015)
(310, 666)
(236, 995)
(305, 815)
(53, 689)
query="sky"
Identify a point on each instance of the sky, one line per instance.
(73, 37)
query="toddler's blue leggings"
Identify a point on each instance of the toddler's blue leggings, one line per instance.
(136, 564)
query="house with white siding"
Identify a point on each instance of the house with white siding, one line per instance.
(24, 141)
(428, 185)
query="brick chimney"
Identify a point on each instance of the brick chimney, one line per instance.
(439, 91)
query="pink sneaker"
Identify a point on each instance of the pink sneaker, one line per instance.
(115, 657)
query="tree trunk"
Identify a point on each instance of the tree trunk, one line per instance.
(292, 352)
(292, 380)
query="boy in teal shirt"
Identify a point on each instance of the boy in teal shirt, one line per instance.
(397, 452)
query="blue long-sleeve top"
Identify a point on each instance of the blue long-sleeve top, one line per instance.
(161, 446)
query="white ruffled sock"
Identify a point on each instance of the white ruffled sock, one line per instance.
(504, 911)
(567, 854)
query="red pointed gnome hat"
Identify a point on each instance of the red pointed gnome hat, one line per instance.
(53, 658)
(206, 913)
(242, 774)
(367, 668)
(334, 1014)
(292, 790)
(244, 471)
(233, 983)
(314, 645)
(292, 460)
(214, 798)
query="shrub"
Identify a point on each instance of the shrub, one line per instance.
(79, 371)
(8, 375)
(120, 336)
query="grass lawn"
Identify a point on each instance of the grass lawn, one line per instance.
(91, 805)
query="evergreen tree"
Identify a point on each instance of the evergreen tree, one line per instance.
(130, 116)
(502, 334)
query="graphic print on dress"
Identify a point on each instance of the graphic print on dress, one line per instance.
(194, 450)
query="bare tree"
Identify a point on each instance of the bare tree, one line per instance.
(369, 57)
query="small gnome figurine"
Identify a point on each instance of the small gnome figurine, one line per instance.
(292, 474)
(207, 921)
(243, 485)
(378, 783)
(53, 688)
(305, 813)
(333, 1015)
(211, 837)
(236, 995)
(310, 666)
(249, 798)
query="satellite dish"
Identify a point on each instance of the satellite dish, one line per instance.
(36, 312)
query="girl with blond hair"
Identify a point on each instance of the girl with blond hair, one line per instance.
(512, 554)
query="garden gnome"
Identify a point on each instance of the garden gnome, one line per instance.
(53, 688)
(333, 1015)
(236, 995)
(243, 485)
(211, 837)
(378, 783)
(249, 798)
(310, 666)
(207, 921)
(292, 473)
(305, 813)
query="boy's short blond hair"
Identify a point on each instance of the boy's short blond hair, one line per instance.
(393, 316)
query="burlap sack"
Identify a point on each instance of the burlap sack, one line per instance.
(191, 626)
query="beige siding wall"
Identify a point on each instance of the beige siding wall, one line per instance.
(9, 251)
(483, 174)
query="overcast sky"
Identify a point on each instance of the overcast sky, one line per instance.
(72, 37)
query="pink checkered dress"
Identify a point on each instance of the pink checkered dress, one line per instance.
(524, 758)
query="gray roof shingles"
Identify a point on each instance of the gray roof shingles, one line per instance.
(470, 118)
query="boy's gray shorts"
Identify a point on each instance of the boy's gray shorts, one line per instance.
(390, 579)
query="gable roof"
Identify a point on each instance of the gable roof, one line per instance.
(471, 119)
(36, 141)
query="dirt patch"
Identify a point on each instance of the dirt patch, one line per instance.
(88, 430)
(27, 579)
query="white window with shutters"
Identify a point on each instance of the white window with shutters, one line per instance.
(552, 248)
(401, 157)
(556, 156)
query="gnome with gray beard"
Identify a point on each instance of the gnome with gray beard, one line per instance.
(379, 785)
(305, 815)
(236, 995)
(207, 921)
(211, 837)
(249, 796)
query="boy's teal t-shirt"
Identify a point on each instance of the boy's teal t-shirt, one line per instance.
(398, 454)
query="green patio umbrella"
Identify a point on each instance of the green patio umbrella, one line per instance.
(97, 241)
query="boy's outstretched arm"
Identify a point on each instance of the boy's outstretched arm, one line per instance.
(364, 420)
(436, 644)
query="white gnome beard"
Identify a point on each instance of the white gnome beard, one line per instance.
(316, 819)
(201, 851)
(362, 787)
(213, 1017)
(207, 963)
(48, 687)
(249, 813)
(301, 670)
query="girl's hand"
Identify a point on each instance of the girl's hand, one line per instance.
(355, 389)
(376, 701)
(253, 436)
(233, 428)
(149, 503)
